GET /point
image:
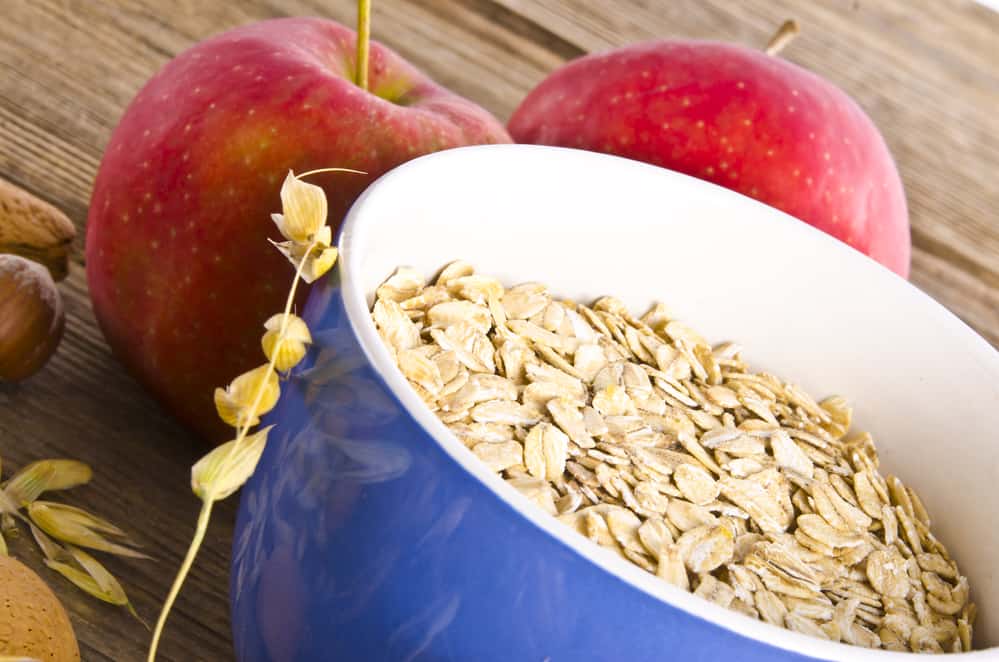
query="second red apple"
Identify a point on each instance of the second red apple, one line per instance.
(737, 117)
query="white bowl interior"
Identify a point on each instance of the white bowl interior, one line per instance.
(804, 306)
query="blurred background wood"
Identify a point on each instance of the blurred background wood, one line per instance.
(925, 71)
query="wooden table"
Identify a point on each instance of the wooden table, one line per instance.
(926, 72)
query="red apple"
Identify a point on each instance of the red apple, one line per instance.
(180, 271)
(737, 117)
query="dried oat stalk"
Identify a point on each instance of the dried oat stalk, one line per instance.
(220, 473)
(724, 481)
(61, 530)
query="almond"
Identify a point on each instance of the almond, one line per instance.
(34, 229)
(33, 623)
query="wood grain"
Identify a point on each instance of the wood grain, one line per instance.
(925, 72)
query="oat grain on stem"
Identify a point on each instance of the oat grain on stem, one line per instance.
(223, 471)
(204, 517)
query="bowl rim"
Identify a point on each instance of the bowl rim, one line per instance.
(353, 230)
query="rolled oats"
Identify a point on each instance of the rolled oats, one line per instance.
(638, 434)
(696, 484)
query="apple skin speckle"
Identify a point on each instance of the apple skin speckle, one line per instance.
(789, 137)
(244, 107)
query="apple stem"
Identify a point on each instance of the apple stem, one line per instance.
(787, 31)
(363, 41)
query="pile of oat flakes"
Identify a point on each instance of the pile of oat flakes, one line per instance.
(636, 432)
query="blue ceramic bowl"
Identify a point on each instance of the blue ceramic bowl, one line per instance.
(370, 533)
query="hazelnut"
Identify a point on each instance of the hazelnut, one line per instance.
(31, 317)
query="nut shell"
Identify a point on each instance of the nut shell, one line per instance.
(33, 623)
(31, 317)
(34, 229)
